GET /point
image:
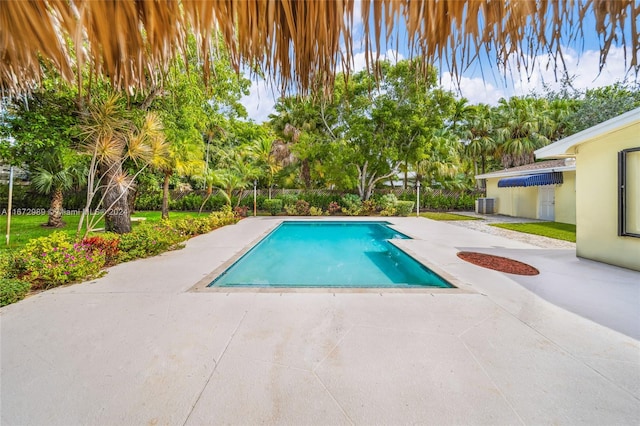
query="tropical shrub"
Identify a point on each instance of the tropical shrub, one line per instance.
(221, 218)
(191, 226)
(387, 201)
(107, 244)
(334, 207)
(8, 265)
(290, 209)
(404, 208)
(12, 290)
(302, 208)
(369, 207)
(316, 211)
(288, 199)
(54, 260)
(351, 204)
(273, 206)
(240, 211)
(389, 211)
(148, 240)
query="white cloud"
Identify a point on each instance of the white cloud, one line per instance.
(583, 68)
(475, 89)
(260, 100)
(359, 60)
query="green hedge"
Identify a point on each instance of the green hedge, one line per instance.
(404, 208)
(273, 206)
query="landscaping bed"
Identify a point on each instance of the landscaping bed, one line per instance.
(498, 263)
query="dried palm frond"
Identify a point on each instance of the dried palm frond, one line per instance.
(296, 42)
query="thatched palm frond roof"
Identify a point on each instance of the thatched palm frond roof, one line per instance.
(296, 42)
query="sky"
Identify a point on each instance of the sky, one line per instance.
(483, 82)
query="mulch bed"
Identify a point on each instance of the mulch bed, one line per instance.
(498, 263)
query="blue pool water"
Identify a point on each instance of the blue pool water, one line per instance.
(328, 254)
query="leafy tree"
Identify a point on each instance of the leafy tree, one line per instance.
(595, 106)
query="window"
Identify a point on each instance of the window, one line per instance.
(629, 192)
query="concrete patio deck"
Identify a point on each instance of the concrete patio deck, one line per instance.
(139, 346)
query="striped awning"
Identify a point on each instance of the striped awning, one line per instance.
(540, 179)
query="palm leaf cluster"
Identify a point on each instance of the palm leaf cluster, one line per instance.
(299, 43)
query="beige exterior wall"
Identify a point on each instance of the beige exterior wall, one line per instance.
(565, 208)
(597, 200)
(523, 202)
(520, 202)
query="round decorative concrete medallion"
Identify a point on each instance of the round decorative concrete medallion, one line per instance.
(498, 263)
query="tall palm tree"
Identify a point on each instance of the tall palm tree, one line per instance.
(183, 158)
(480, 135)
(59, 171)
(521, 124)
(263, 151)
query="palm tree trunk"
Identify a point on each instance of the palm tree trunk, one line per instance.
(117, 217)
(165, 196)
(305, 174)
(55, 210)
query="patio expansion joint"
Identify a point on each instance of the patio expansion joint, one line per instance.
(313, 371)
(344, 412)
(217, 363)
(495, 385)
(579, 359)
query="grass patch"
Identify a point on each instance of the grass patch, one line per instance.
(446, 216)
(559, 231)
(28, 227)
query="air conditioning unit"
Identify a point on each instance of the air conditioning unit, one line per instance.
(485, 205)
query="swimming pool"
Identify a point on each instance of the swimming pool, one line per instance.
(329, 254)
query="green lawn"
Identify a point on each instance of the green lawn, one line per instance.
(27, 227)
(446, 216)
(559, 231)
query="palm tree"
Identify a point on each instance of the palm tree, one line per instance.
(111, 138)
(263, 151)
(480, 135)
(184, 158)
(521, 123)
(58, 172)
(236, 172)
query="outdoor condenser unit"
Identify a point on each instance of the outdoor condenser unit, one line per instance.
(485, 205)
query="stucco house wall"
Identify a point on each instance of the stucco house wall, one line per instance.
(596, 152)
(525, 202)
(597, 203)
(520, 202)
(566, 199)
